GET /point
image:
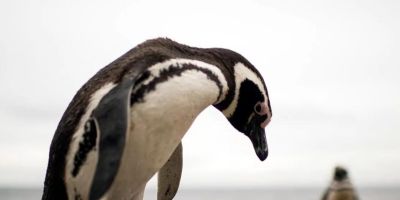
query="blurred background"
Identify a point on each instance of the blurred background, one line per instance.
(331, 67)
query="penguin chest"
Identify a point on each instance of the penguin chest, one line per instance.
(157, 125)
(341, 195)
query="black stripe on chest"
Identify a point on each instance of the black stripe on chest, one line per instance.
(168, 73)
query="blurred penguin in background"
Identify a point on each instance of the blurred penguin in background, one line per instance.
(340, 187)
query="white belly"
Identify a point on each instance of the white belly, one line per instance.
(157, 127)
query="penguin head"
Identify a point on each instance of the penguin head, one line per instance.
(251, 116)
(249, 109)
(340, 174)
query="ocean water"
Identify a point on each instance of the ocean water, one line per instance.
(229, 194)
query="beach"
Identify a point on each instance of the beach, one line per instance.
(388, 193)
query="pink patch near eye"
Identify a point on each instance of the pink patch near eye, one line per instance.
(263, 111)
(265, 123)
(261, 108)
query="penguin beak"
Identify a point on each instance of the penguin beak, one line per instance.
(256, 134)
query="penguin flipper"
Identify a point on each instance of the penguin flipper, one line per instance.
(325, 196)
(169, 175)
(355, 196)
(112, 121)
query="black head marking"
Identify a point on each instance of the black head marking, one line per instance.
(249, 96)
(247, 120)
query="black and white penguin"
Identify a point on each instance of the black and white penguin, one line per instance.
(340, 187)
(125, 124)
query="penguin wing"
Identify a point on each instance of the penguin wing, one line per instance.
(355, 196)
(112, 121)
(169, 175)
(325, 196)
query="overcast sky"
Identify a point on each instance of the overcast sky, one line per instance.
(332, 69)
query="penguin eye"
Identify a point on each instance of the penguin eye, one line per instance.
(257, 107)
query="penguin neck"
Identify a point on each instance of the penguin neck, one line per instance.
(342, 184)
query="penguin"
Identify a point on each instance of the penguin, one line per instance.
(126, 123)
(340, 187)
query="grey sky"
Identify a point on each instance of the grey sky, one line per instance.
(331, 68)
